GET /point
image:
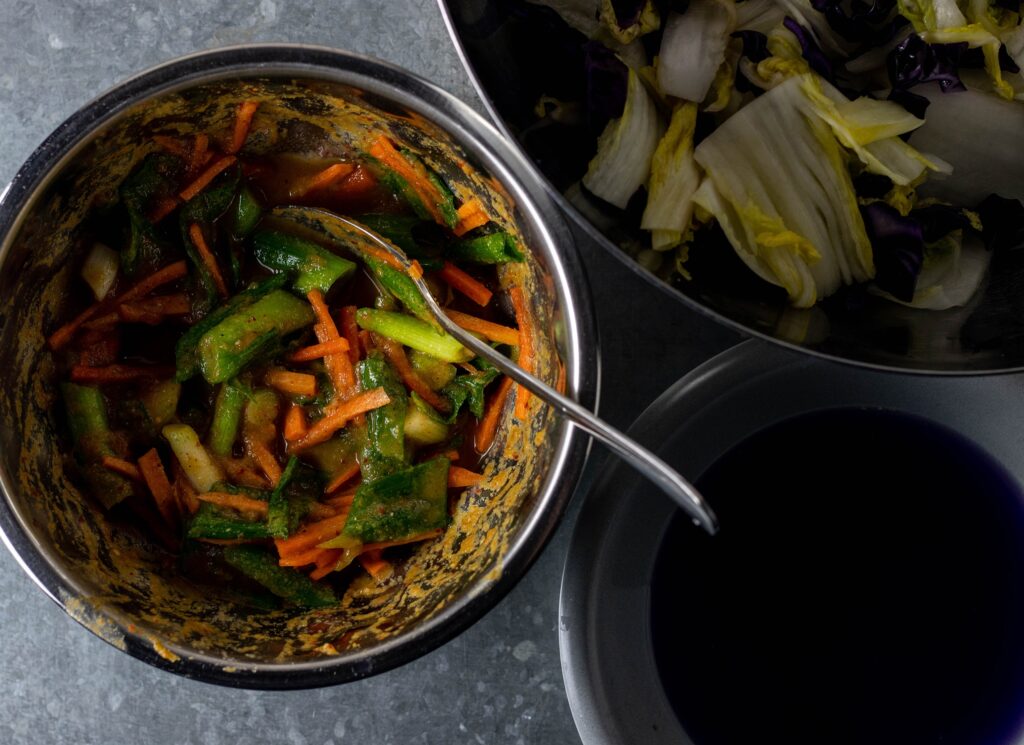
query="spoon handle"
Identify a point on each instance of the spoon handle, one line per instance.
(642, 459)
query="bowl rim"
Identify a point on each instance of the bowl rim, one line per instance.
(560, 254)
(591, 231)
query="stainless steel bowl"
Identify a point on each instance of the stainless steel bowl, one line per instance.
(112, 580)
(516, 51)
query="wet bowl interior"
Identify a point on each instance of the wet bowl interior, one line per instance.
(109, 576)
(517, 52)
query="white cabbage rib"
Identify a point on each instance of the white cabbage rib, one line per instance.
(778, 184)
(624, 150)
(674, 179)
(693, 48)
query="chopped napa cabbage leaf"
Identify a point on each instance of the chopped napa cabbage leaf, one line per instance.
(724, 83)
(758, 15)
(624, 150)
(630, 19)
(985, 156)
(951, 273)
(1013, 40)
(928, 15)
(693, 48)
(871, 129)
(778, 184)
(674, 179)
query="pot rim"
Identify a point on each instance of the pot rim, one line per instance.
(471, 132)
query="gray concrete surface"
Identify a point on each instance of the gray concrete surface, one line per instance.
(499, 682)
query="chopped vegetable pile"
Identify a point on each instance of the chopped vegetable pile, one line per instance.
(269, 396)
(831, 144)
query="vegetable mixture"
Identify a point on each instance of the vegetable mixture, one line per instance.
(269, 395)
(830, 143)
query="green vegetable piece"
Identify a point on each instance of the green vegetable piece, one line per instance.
(227, 413)
(285, 582)
(423, 425)
(212, 522)
(396, 228)
(226, 486)
(434, 372)
(186, 351)
(400, 284)
(331, 457)
(278, 523)
(469, 389)
(155, 178)
(495, 248)
(204, 209)
(202, 470)
(384, 450)
(401, 187)
(314, 267)
(414, 333)
(161, 402)
(247, 213)
(87, 419)
(246, 334)
(145, 249)
(404, 504)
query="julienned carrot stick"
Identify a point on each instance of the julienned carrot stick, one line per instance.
(302, 559)
(123, 467)
(343, 477)
(342, 500)
(243, 123)
(235, 501)
(326, 562)
(488, 426)
(338, 416)
(464, 283)
(266, 461)
(339, 366)
(295, 424)
(310, 535)
(376, 566)
(452, 455)
(459, 478)
(159, 486)
(292, 383)
(350, 330)
(204, 179)
(116, 373)
(169, 273)
(163, 208)
(195, 232)
(316, 351)
(487, 329)
(172, 145)
(154, 310)
(429, 535)
(471, 216)
(199, 151)
(385, 152)
(326, 177)
(396, 356)
(526, 353)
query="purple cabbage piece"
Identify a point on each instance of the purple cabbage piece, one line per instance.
(915, 61)
(939, 220)
(862, 23)
(897, 244)
(810, 50)
(607, 80)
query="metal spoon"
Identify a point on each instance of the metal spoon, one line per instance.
(647, 463)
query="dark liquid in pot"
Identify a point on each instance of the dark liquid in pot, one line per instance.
(867, 587)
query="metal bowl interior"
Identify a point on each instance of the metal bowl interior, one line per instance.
(117, 583)
(516, 52)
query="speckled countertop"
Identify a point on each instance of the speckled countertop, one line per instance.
(499, 682)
